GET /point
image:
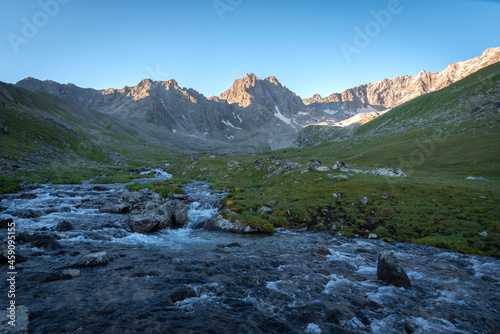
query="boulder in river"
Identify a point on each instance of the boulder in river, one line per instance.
(93, 260)
(179, 214)
(27, 196)
(219, 223)
(390, 271)
(115, 208)
(46, 241)
(182, 293)
(143, 224)
(64, 226)
(172, 214)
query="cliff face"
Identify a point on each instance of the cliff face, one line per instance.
(391, 93)
(253, 114)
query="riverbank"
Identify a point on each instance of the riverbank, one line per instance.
(176, 281)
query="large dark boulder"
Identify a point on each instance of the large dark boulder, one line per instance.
(40, 240)
(144, 224)
(182, 293)
(390, 271)
(179, 214)
(172, 214)
(64, 226)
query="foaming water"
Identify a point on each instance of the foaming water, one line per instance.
(191, 280)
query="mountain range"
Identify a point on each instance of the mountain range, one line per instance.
(252, 115)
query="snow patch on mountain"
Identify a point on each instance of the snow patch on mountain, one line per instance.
(231, 125)
(281, 117)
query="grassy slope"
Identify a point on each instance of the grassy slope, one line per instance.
(44, 138)
(434, 205)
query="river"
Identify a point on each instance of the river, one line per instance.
(195, 281)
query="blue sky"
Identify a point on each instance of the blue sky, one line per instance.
(310, 46)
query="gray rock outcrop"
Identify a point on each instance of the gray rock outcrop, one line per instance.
(219, 223)
(390, 271)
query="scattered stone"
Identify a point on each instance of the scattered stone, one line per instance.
(483, 234)
(22, 321)
(388, 171)
(321, 168)
(276, 160)
(93, 260)
(337, 177)
(271, 203)
(203, 169)
(64, 226)
(477, 178)
(282, 169)
(364, 200)
(115, 208)
(314, 162)
(427, 141)
(339, 194)
(265, 210)
(344, 169)
(386, 195)
(257, 164)
(356, 171)
(372, 236)
(338, 165)
(483, 197)
(390, 271)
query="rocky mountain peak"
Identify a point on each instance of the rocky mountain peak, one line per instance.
(393, 92)
(272, 79)
(250, 89)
